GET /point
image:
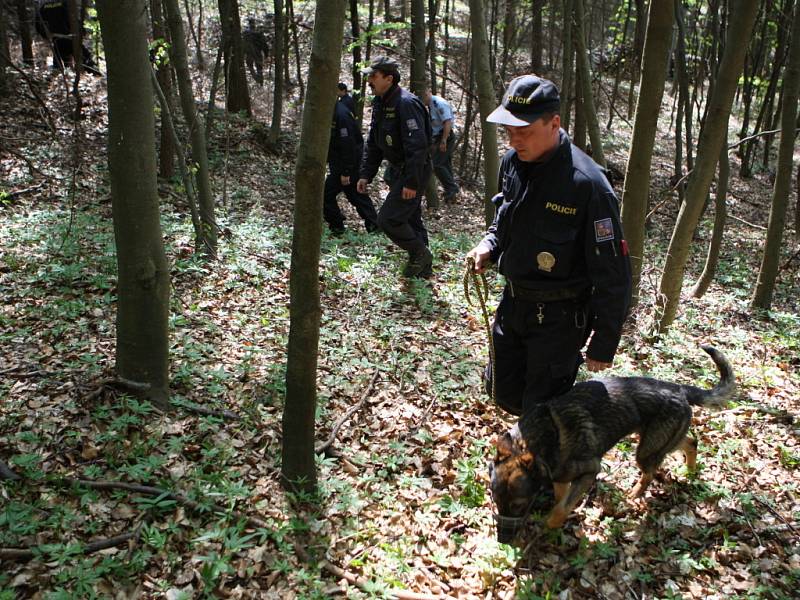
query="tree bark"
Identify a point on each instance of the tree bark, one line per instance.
(166, 147)
(720, 216)
(143, 284)
(537, 47)
(762, 298)
(635, 193)
(743, 14)
(197, 35)
(5, 56)
(585, 79)
(430, 46)
(418, 83)
(486, 104)
(298, 465)
(237, 95)
(277, 100)
(25, 21)
(205, 199)
(355, 30)
(567, 64)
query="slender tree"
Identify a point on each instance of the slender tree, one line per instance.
(585, 81)
(486, 103)
(635, 193)
(207, 244)
(418, 79)
(5, 56)
(298, 467)
(143, 272)
(768, 272)
(278, 57)
(742, 18)
(25, 21)
(567, 62)
(237, 95)
(537, 45)
(166, 147)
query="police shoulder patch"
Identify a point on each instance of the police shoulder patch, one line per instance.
(412, 124)
(603, 230)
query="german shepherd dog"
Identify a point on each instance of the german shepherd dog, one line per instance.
(562, 442)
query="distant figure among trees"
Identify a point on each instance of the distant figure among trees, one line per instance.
(256, 50)
(345, 97)
(54, 23)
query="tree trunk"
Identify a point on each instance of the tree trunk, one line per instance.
(433, 11)
(579, 129)
(743, 14)
(298, 466)
(5, 56)
(143, 273)
(417, 47)
(509, 36)
(567, 64)
(205, 199)
(197, 35)
(277, 99)
(720, 216)
(683, 81)
(25, 20)
(296, 45)
(166, 147)
(638, 49)
(355, 30)
(237, 95)
(537, 47)
(635, 193)
(768, 272)
(620, 68)
(589, 109)
(486, 104)
(446, 47)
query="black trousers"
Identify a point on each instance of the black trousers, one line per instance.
(361, 202)
(537, 350)
(400, 219)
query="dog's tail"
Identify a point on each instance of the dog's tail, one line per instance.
(719, 394)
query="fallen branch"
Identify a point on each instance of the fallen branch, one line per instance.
(335, 431)
(96, 546)
(362, 583)
(735, 218)
(221, 413)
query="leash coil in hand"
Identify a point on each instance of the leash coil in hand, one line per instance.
(481, 286)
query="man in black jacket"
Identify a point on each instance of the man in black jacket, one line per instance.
(256, 50)
(344, 153)
(557, 239)
(400, 132)
(54, 23)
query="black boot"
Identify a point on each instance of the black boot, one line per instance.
(420, 264)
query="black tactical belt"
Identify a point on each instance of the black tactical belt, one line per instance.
(525, 293)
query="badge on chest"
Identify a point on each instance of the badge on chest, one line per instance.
(545, 261)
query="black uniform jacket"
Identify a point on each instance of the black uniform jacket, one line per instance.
(557, 226)
(400, 132)
(344, 149)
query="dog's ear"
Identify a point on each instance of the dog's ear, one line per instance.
(526, 461)
(504, 446)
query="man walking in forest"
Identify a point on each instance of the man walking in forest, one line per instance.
(558, 241)
(444, 140)
(345, 98)
(54, 23)
(256, 50)
(400, 132)
(344, 154)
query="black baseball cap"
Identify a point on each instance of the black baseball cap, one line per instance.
(527, 98)
(384, 64)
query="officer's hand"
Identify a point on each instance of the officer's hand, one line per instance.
(409, 194)
(443, 146)
(481, 257)
(595, 365)
(345, 179)
(361, 186)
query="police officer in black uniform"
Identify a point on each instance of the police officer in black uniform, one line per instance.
(54, 23)
(344, 154)
(256, 50)
(400, 132)
(557, 239)
(345, 97)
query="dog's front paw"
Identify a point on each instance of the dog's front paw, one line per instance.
(556, 518)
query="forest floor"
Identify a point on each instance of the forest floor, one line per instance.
(406, 508)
